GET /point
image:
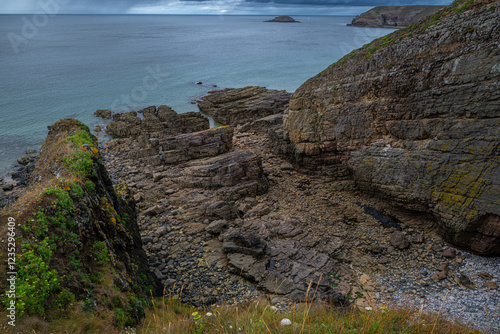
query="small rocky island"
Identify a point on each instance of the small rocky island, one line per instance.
(393, 16)
(283, 18)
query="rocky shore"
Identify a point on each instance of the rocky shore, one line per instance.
(353, 190)
(240, 222)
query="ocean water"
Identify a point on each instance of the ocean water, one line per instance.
(53, 67)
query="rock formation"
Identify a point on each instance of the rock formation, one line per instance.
(241, 105)
(393, 16)
(283, 18)
(77, 235)
(414, 116)
(162, 119)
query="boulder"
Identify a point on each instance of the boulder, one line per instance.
(103, 113)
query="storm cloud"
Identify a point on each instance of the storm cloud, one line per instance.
(306, 7)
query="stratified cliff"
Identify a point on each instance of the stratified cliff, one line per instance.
(393, 16)
(77, 243)
(415, 116)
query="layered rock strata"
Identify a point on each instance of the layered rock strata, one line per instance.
(236, 106)
(393, 16)
(162, 119)
(414, 116)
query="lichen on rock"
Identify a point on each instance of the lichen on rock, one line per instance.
(413, 116)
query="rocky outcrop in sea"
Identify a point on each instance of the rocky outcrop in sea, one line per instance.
(283, 19)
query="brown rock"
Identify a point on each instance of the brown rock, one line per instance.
(444, 267)
(465, 282)
(439, 276)
(422, 140)
(103, 113)
(491, 285)
(399, 240)
(449, 253)
(242, 105)
(486, 276)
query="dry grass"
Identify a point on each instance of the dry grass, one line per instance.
(169, 315)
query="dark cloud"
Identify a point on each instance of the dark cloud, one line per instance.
(123, 6)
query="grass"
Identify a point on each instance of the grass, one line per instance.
(169, 315)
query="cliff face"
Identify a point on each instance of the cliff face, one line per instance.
(78, 243)
(393, 16)
(414, 116)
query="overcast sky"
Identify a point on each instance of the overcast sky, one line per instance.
(265, 7)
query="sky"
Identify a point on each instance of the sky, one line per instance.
(234, 7)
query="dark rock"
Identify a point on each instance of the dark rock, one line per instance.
(103, 113)
(284, 19)
(8, 187)
(465, 282)
(242, 105)
(197, 145)
(399, 240)
(246, 243)
(393, 16)
(222, 209)
(24, 160)
(286, 166)
(426, 140)
(160, 123)
(450, 253)
(216, 227)
(486, 276)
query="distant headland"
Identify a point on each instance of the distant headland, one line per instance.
(283, 18)
(393, 16)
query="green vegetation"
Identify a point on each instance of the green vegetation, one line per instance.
(100, 251)
(79, 163)
(375, 46)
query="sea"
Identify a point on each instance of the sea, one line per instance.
(58, 66)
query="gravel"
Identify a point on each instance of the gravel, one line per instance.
(479, 308)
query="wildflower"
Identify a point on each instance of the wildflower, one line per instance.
(368, 308)
(209, 314)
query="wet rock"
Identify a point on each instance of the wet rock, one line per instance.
(103, 113)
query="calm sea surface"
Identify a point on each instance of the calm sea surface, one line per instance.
(71, 65)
